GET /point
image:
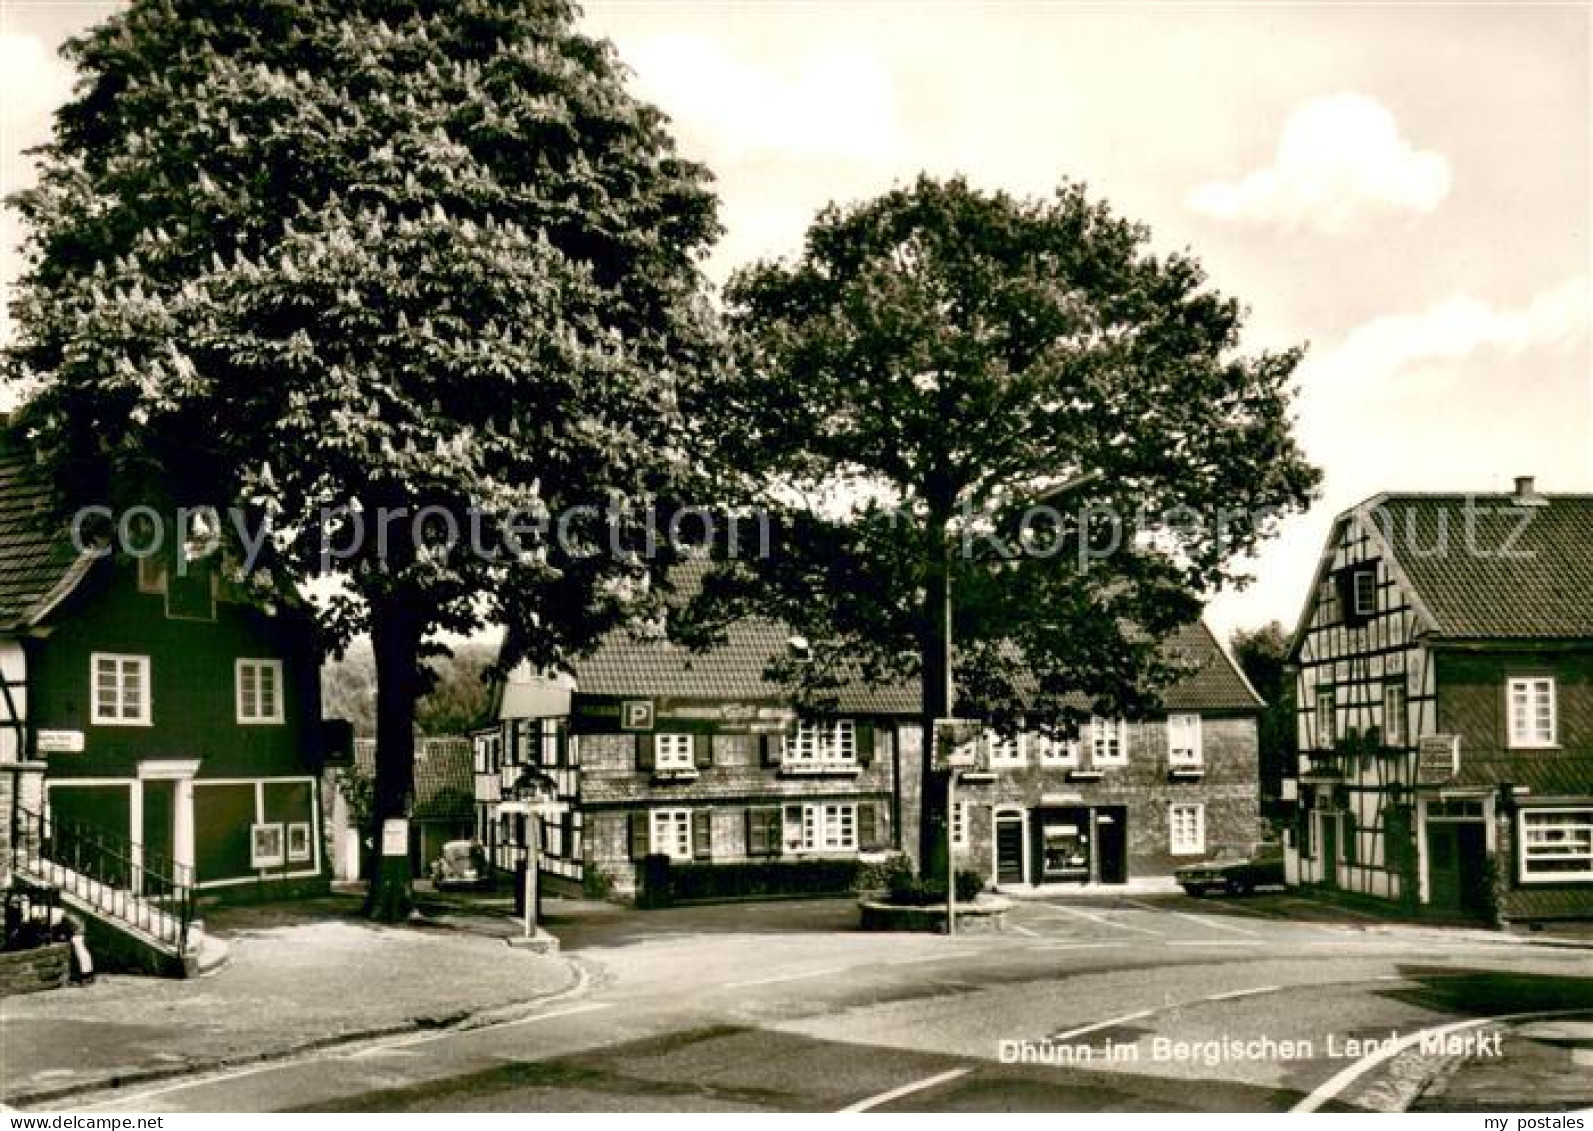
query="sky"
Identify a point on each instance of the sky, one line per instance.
(1404, 189)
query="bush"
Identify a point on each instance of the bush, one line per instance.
(915, 891)
(771, 878)
(883, 875)
(597, 882)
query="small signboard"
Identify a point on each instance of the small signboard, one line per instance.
(636, 714)
(395, 837)
(60, 742)
(958, 743)
(1437, 758)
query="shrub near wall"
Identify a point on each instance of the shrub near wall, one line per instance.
(763, 880)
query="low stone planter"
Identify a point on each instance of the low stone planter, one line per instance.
(29, 971)
(985, 915)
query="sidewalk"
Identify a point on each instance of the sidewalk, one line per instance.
(1136, 885)
(301, 976)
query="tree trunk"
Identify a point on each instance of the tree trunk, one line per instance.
(395, 641)
(933, 861)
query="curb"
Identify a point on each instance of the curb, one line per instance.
(461, 1023)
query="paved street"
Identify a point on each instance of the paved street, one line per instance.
(785, 1006)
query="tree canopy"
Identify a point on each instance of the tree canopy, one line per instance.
(326, 261)
(1014, 400)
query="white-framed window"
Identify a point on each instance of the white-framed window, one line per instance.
(259, 691)
(1005, 749)
(1055, 750)
(1108, 742)
(819, 742)
(821, 827)
(1395, 703)
(266, 845)
(1532, 712)
(671, 833)
(959, 824)
(672, 752)
(1363, 583)
(1184, 740)
(120, 689)
(1326, 706)
(1186, 828)
(1556, 844)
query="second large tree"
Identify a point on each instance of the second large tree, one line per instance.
(1010, 450)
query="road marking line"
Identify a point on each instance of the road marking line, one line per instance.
(1109, 1024)
(1201, 919)
(906, 1090)
(932, 957)
(1077, 946)
(784, 978)
(1017, 930)
(1105, 922)
(1232, 994)
(1331, 1088)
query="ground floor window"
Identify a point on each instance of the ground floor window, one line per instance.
(1556, 844)
(1186, 829)
(672, 833)
(821, 828)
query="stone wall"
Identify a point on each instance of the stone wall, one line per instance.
(29, 971)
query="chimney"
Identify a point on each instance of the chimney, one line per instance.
(1526, 494)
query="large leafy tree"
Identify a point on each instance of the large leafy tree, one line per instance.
(1001, 423)
(336, 262)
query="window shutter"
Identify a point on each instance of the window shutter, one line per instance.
(865, 743)
(754, 832)
(639, 839)
(773, 748)
(702, 834)
(867, 826)
(702, 750)
(645, 759)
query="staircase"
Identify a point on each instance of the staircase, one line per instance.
(138, 905)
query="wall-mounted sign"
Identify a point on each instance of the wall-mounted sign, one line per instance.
(636, 714)
(60, 742)
(395, 837)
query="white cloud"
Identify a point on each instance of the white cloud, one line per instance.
(1341, 164)
(833, 103)
(1374, 354)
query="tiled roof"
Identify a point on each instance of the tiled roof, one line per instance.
(444, 777)
(624, 666)
(1487, 568)
(33, 558)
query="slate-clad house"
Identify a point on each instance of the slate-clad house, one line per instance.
(1126, 798)
(1445, 675)
(154, 712)
(695, 756)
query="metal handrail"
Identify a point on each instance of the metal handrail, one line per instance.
(113, 874)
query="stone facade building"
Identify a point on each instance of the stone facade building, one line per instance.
(658, 750)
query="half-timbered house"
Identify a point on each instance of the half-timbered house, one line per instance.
(1444, 666)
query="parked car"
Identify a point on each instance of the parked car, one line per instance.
(1234, 868)
(463, 864)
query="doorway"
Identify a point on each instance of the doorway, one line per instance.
(1456, 854)
(1328, 823)
(1009, 849)
(1111, 844)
